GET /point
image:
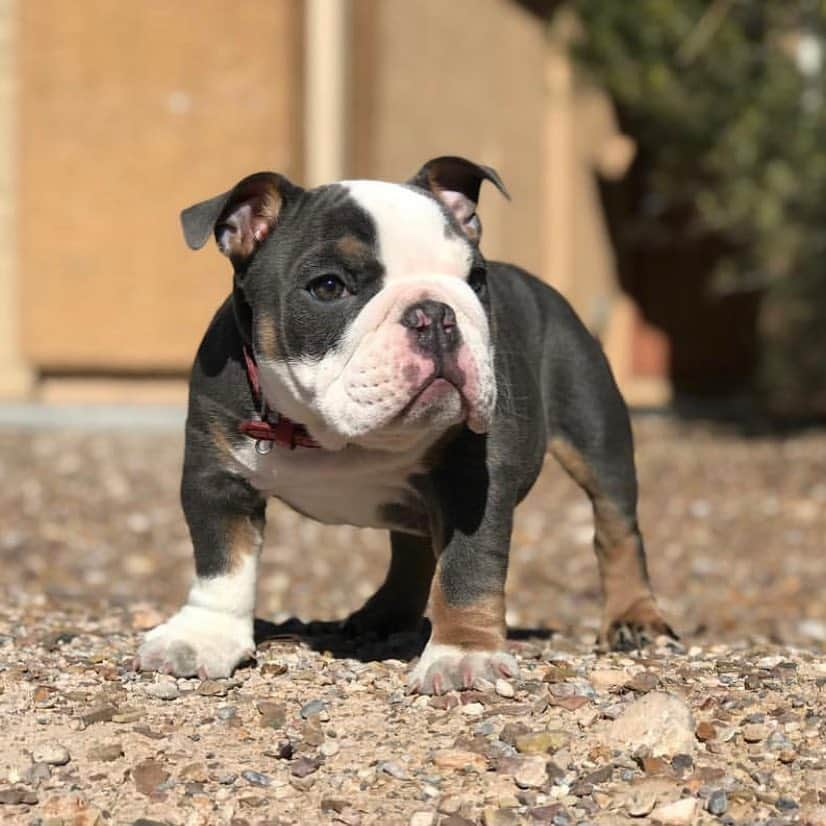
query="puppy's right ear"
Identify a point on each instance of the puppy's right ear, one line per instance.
(241, 218)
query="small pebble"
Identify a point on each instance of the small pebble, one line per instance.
(226, 712)
(717, 802)
(165, 690)
(504, 689)
(531, 773)
(52, 753)
(256, 778)
(393, 769)
(329, 748)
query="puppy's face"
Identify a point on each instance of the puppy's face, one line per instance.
(370, 316)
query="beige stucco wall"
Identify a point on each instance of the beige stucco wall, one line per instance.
(15, 378)
(460, 78)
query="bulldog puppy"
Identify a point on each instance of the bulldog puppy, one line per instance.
(371, 368)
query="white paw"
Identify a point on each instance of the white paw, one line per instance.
(197, 641)
(444, 668)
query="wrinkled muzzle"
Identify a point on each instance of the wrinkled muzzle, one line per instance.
(417, 358)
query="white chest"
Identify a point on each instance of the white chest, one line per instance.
(354, 486)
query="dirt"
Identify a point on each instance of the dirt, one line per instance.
(727, 727)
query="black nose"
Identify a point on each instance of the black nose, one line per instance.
(434, 325)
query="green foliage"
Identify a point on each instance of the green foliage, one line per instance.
(729, 119)
(727, 102)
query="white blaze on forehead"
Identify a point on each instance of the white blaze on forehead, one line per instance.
(413, 232)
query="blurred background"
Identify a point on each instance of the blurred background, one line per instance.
(667, 166)
(665, 159)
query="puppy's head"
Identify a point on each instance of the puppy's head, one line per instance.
(369, 308)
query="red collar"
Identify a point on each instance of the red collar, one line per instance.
(271, 426)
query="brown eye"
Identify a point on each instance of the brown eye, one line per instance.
(327, 288)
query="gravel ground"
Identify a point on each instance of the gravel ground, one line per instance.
(727, 728)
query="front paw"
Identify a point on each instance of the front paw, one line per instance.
(197, 642)
(444, 668)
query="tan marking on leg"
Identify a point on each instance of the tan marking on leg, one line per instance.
(626, 591)
(220, 438)
(479, 625)
(266, 339)
(573, 462)
(243, 538)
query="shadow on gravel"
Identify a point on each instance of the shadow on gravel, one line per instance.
(328, 636)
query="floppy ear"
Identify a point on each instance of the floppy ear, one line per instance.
(456, 182)
(241, 218)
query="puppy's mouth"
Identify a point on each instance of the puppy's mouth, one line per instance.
(433, 390)
(436, 392)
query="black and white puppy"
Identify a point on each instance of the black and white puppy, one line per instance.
(371, 368)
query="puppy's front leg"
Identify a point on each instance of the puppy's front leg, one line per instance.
(467, 598)
(212, 633)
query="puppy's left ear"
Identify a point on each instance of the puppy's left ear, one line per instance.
(241, 218)
(456, 182)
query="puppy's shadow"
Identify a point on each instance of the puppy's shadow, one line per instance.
(326, 636)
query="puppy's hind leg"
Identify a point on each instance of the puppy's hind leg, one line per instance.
(591, 438)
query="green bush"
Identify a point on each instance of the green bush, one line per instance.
(727, 102)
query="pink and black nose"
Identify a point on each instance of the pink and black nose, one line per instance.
(433, 325)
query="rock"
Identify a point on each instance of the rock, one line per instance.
(163, 690)
(500, 817)
(194, 772)
(334, 804)
(16, 796)
(680, 813)
(540, 742)
(98, 714)
(105, 752)
(705, 732)
(127, 715)
(256, 778)
(643, 682)
(226, 712)
(312, 709)
(273, 669)
(329, 748)
(393, 769)
(640, 803)
(148, 775)
(71, 809)
(304, 766)
(604, 679)
(450, 804)
(658, 721)
(52, 753)
(531, 774)
(273, 715)
(212, 688)
(504, 689)
(473, 710)
(777, 741)
(422, 819)
(717, 802)
(569, 703)
(458, 759)
(36, 773)
(755, 732)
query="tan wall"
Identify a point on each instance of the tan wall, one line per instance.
(15, 378)
(459, 78)
(129, 112)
